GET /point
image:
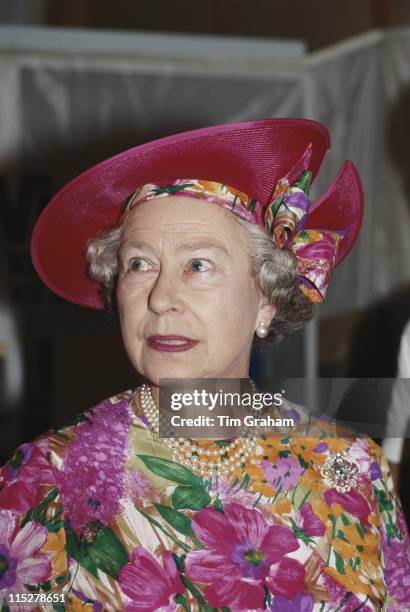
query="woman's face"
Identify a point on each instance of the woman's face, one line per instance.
(188, 305)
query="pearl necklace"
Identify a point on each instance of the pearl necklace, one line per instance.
(205, 462)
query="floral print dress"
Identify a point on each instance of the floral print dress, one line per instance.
(96, 516)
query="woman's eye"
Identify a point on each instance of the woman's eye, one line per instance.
(200, 265)
(139, 265)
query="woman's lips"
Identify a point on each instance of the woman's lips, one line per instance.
(171, 344)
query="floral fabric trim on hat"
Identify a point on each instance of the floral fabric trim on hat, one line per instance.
(284, 217)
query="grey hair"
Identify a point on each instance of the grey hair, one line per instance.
(276, 275)
(274, 270)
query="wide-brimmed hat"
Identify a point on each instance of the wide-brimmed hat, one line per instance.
(251, 156)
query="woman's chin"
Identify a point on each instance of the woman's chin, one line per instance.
(155, 375)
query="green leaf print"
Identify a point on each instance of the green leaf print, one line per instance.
(55, 526)
(171, 188)
(301, 535)
(385, 505)
(268, 597)
(191, 498)
(197, 594)
(302, 462)
(245, 482)
(218, 506)
(179, 562)
(341, 536)
(252, 204)
(360, 530)
(171, 470)
(38, 513)
(340, 566)
(177, 520)
(304, 181)
(105, 552)
(180, 599)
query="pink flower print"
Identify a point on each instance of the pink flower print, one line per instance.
(241, 549)
(286, 577)
(322, 246)
(359, 451)
(149, 585)
(352, 501)
(226, 492)
(302, 602)
(309, 522)
(283, 474)
(22, 475)
(20, 561)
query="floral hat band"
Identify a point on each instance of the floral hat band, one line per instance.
(284, 217)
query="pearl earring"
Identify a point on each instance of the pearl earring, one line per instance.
(261, 330)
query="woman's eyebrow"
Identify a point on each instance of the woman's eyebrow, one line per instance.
(196, 245)
(191, 245)
(134, 246)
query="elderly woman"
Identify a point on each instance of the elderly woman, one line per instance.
(104, 514)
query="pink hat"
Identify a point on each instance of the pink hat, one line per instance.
(251, 156)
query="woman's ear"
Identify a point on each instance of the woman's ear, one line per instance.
(266, 312)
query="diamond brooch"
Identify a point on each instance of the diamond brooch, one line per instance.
(340, 471)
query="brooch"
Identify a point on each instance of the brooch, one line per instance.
(340, 471)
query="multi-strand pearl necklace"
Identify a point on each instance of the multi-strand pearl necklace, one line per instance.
(206, 462)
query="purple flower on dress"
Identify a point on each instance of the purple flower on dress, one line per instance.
(397, 562)
(375, 471)
(321, 448)
(242, 554)
(139, 487)
(302, 602)
(92, 476)
(21, 563)
(147, 584)
(282, 475)
(309, 522)
(291, 413)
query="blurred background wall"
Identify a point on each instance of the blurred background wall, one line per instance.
(317, 22)
(84, 79)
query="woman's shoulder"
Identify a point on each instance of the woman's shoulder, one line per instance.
(338, 435)
(34, 466)
(103, 421)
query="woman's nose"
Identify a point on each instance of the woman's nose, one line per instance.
(166, 293)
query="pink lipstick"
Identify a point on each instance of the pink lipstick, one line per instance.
(171, 344)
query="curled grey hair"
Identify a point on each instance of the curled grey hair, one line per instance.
(274, 270)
